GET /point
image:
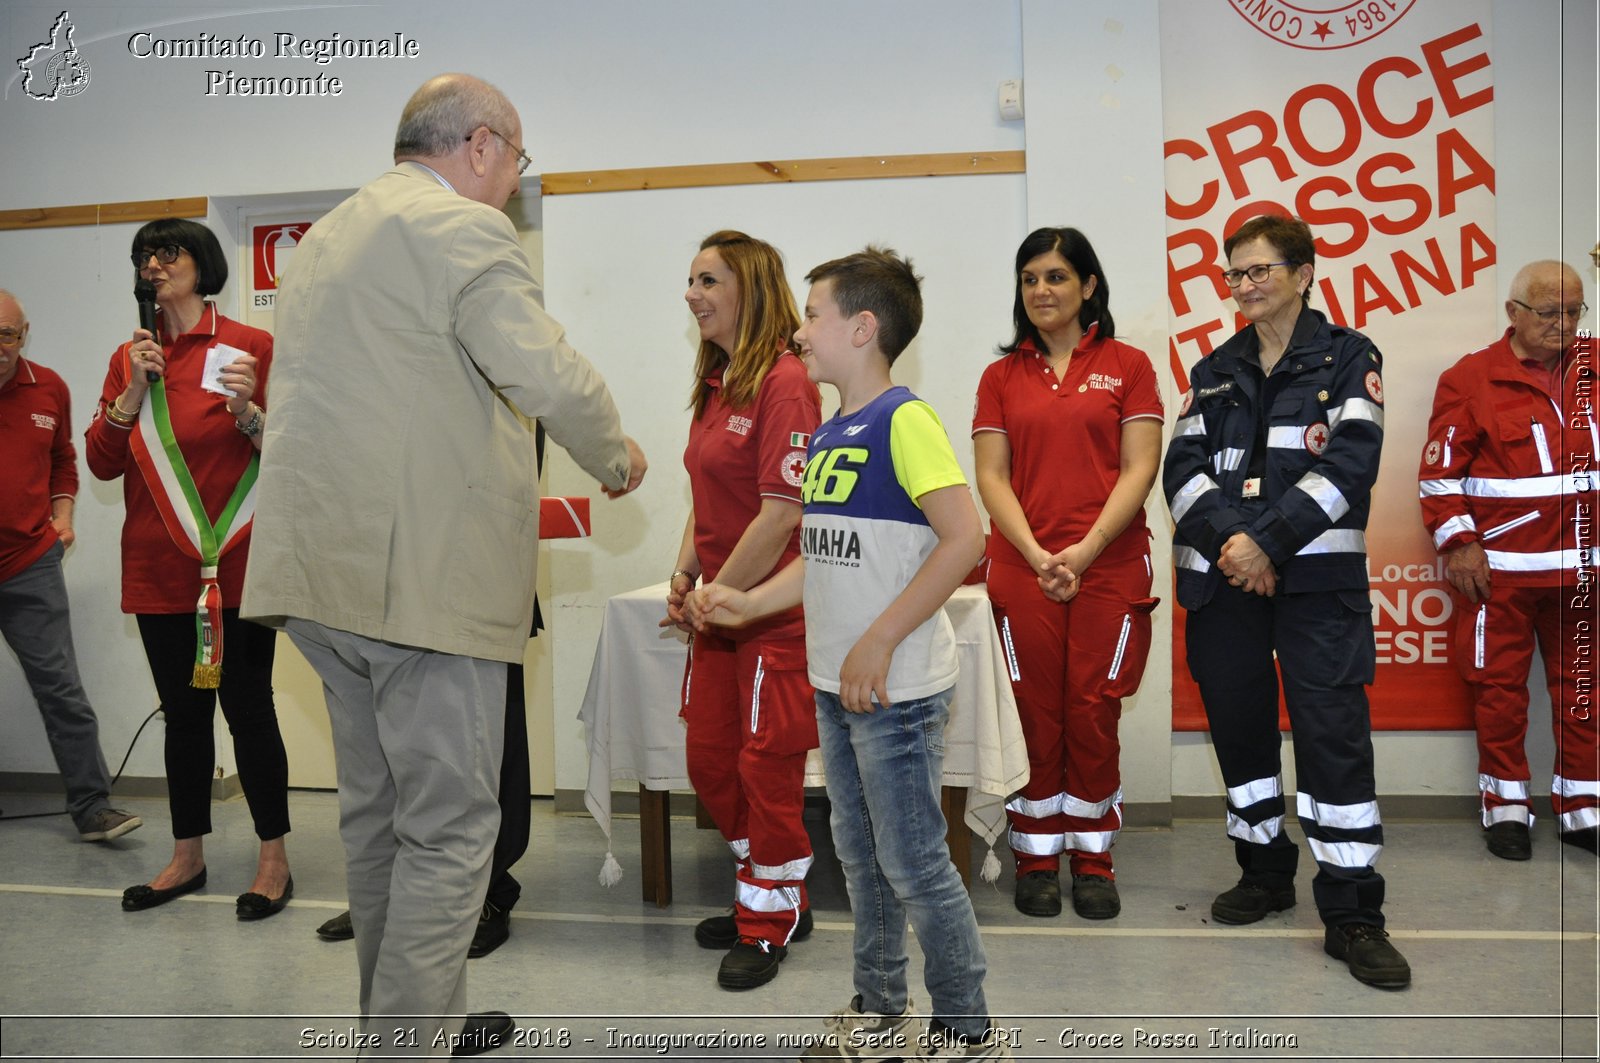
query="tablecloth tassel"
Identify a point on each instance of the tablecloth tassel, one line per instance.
(991, 866)
(611, 871)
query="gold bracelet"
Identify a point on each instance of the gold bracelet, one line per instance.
(115, 411)
(680, 572)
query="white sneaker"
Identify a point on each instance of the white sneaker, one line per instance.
(948, 1046)
(867, 1037)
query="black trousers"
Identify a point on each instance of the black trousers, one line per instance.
(1324, 648)
(246, 697)
(515, 804)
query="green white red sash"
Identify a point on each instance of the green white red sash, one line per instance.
(177, 498)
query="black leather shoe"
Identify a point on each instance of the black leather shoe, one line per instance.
(138, 898)
(494, 927)
(251, 906)
(484, 1031)
(750, 963)
(1249, 902)
(1039, 893)
(1585, 838)
(1095, 897)
(720, 932)
(1366, 949)
(1509, 840)
(337, 929)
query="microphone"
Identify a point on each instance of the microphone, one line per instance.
(145, 293)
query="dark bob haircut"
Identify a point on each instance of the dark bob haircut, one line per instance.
(1079, 253)
(1289, 237)
(211, 265)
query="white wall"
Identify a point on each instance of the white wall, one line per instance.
(612, 83)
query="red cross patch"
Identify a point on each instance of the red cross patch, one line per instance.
(794, 468)
(1375, 386)
(1431, 455)
(1317, 438)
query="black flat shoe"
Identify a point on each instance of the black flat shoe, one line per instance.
(138, 898)
(484, 1031)
(337, 929)
(255, 906)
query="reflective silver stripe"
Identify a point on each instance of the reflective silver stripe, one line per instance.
(1090, 841)
(1579, 819)
(1501, 529)
(1345, 854)
(1345, 817)
(1453, 526)
(741, 848)
(1036, 809)
(1540, 560)
(1287, 437)
(1449, 436)
(1542, 446)
(1254, 791)
(1562, 786)
(1528, 486)
(1085, 841)
(1194, 425)
(1011, 651)
(688, 679)
(1356, 409)
(755, 697)
(761, 899)
(1434, 488)
(1261, 834)
(1507, 814)
(1336, 541)
(1122, 646)
(1327, 497)
(793, 871)
(1504, 789)
(1478, 637)
(1190, 558)
(1036, 844)
(1190, 493)
(1227, 459)
(1064, 804)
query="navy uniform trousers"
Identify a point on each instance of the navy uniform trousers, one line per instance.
(1324, 647)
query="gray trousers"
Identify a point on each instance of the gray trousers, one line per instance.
(417, 736)
(37, 624)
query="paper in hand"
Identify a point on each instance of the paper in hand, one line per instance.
(219, 358)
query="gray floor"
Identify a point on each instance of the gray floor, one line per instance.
(1504, 954)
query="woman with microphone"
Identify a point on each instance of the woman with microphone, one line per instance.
(180, 421)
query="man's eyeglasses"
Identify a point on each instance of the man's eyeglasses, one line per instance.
(166, 254)
(11, 337)
(1257, 273)
(523, 161)
(1550, 317)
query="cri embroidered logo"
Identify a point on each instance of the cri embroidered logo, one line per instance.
(741, 425)
(55, 69)
(44, 420)
(1101, 382)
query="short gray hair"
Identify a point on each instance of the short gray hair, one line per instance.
(445, 110)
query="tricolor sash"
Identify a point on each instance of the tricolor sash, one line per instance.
(177, 498)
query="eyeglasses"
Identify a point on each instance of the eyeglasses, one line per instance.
(166, 254)
(1257, 273)
(11, 337)
(523, 161)
(1550, 317)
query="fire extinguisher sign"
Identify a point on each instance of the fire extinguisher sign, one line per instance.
(272, 248)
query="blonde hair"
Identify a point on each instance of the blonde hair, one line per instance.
(768, 319)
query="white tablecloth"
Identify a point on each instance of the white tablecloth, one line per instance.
(630, 711)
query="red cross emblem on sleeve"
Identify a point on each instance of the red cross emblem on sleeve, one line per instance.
(1317, 438)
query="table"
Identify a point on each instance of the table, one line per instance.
(630, 717)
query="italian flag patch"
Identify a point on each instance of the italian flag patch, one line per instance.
(799, 439)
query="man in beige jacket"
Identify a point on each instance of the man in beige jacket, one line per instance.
(396, 527)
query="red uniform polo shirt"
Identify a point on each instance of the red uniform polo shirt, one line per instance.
(156, 576)
(1066, 437)
(37, 463)
(736, 458)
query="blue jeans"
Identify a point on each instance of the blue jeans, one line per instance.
(884, 770)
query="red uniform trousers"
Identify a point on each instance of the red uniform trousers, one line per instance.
(752, 716)
(1494, 643)
(1071, 666)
